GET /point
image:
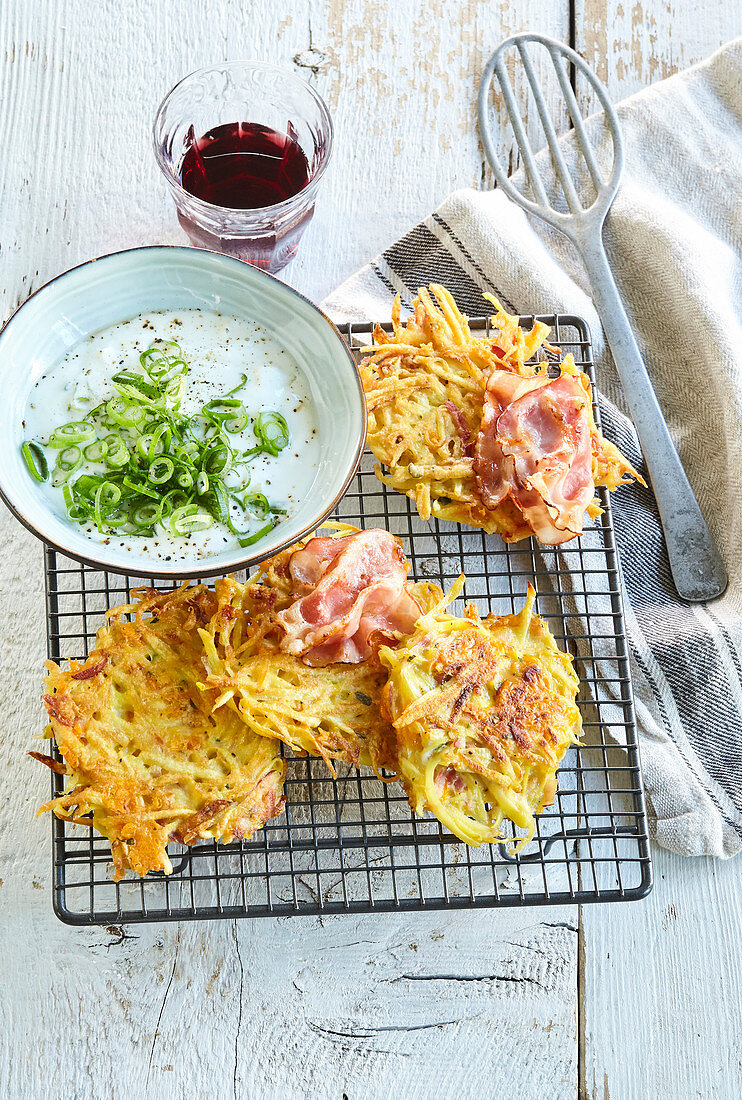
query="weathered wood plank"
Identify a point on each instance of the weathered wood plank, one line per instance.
(632, 44)
(401, 81)
(292, 1007)
(661, 985)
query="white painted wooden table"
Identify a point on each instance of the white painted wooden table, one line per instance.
(634, 1001)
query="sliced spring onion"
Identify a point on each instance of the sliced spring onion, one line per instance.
(217, 460)
(151, 444)
(107, 495)
(254, 501)
(77, 431)
(250, 539)
(117, 453)
(216, 500)
(174, 389)
(272, 431)
(87, 485)
(236, 424)
(161, 470)
(35, 460)
(176, 498)
(96, 451)
(160, 440)
(222, 406)
(229, 413)
(141, 486)
(156, 360)
(184, 479)
(187, 452)
(189, 518)
(129, 384)
(238, 387)
(147, 515)
(68, 461)
(110, 493)
(124, 413)
(160, 466)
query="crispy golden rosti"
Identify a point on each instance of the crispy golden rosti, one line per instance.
(333, 711)
(483, 710)
(425, 393)
(147, 760)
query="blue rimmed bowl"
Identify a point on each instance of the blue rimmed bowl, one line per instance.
(114, 288)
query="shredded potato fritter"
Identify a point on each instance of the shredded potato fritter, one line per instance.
(147, 761)
(483, 711)
(425, 385)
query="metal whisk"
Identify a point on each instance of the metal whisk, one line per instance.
(696, 564)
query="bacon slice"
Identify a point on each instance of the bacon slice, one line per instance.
(52, 704)
(535, 446)
(308, 564)
(494, 472)
(358, 598)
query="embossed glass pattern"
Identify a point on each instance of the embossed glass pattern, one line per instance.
(244, 92)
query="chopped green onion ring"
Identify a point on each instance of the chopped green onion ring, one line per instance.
(124, 413)
(184, 479)
(256, 501)
(117, 453)
(242, 382)
(272, 431)
(238, 424)
(161, 470)
(216, 500)
(68, 460)
(96, 451)
(35, 460)
(147, 515)
(189, 518)
(217, 460)
(77, 431)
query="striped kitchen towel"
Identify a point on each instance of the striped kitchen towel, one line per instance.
(674, 239)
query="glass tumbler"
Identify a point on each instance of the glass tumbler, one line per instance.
(239, 99)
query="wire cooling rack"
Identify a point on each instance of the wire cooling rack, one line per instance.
(351, 844)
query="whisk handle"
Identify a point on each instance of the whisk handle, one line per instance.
(696, 564)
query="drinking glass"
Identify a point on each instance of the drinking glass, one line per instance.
(244, 92)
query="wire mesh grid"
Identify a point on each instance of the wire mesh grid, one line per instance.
(351, 844)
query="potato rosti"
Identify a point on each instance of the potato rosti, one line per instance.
(483, 710)
(432, 420)
(147, 760)
(330, 711)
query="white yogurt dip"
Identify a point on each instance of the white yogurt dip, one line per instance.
(218, 349)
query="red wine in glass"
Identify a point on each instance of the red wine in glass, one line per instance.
(244, 166)
(247, 166)
(244, 179)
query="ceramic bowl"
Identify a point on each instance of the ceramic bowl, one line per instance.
(113, 288)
